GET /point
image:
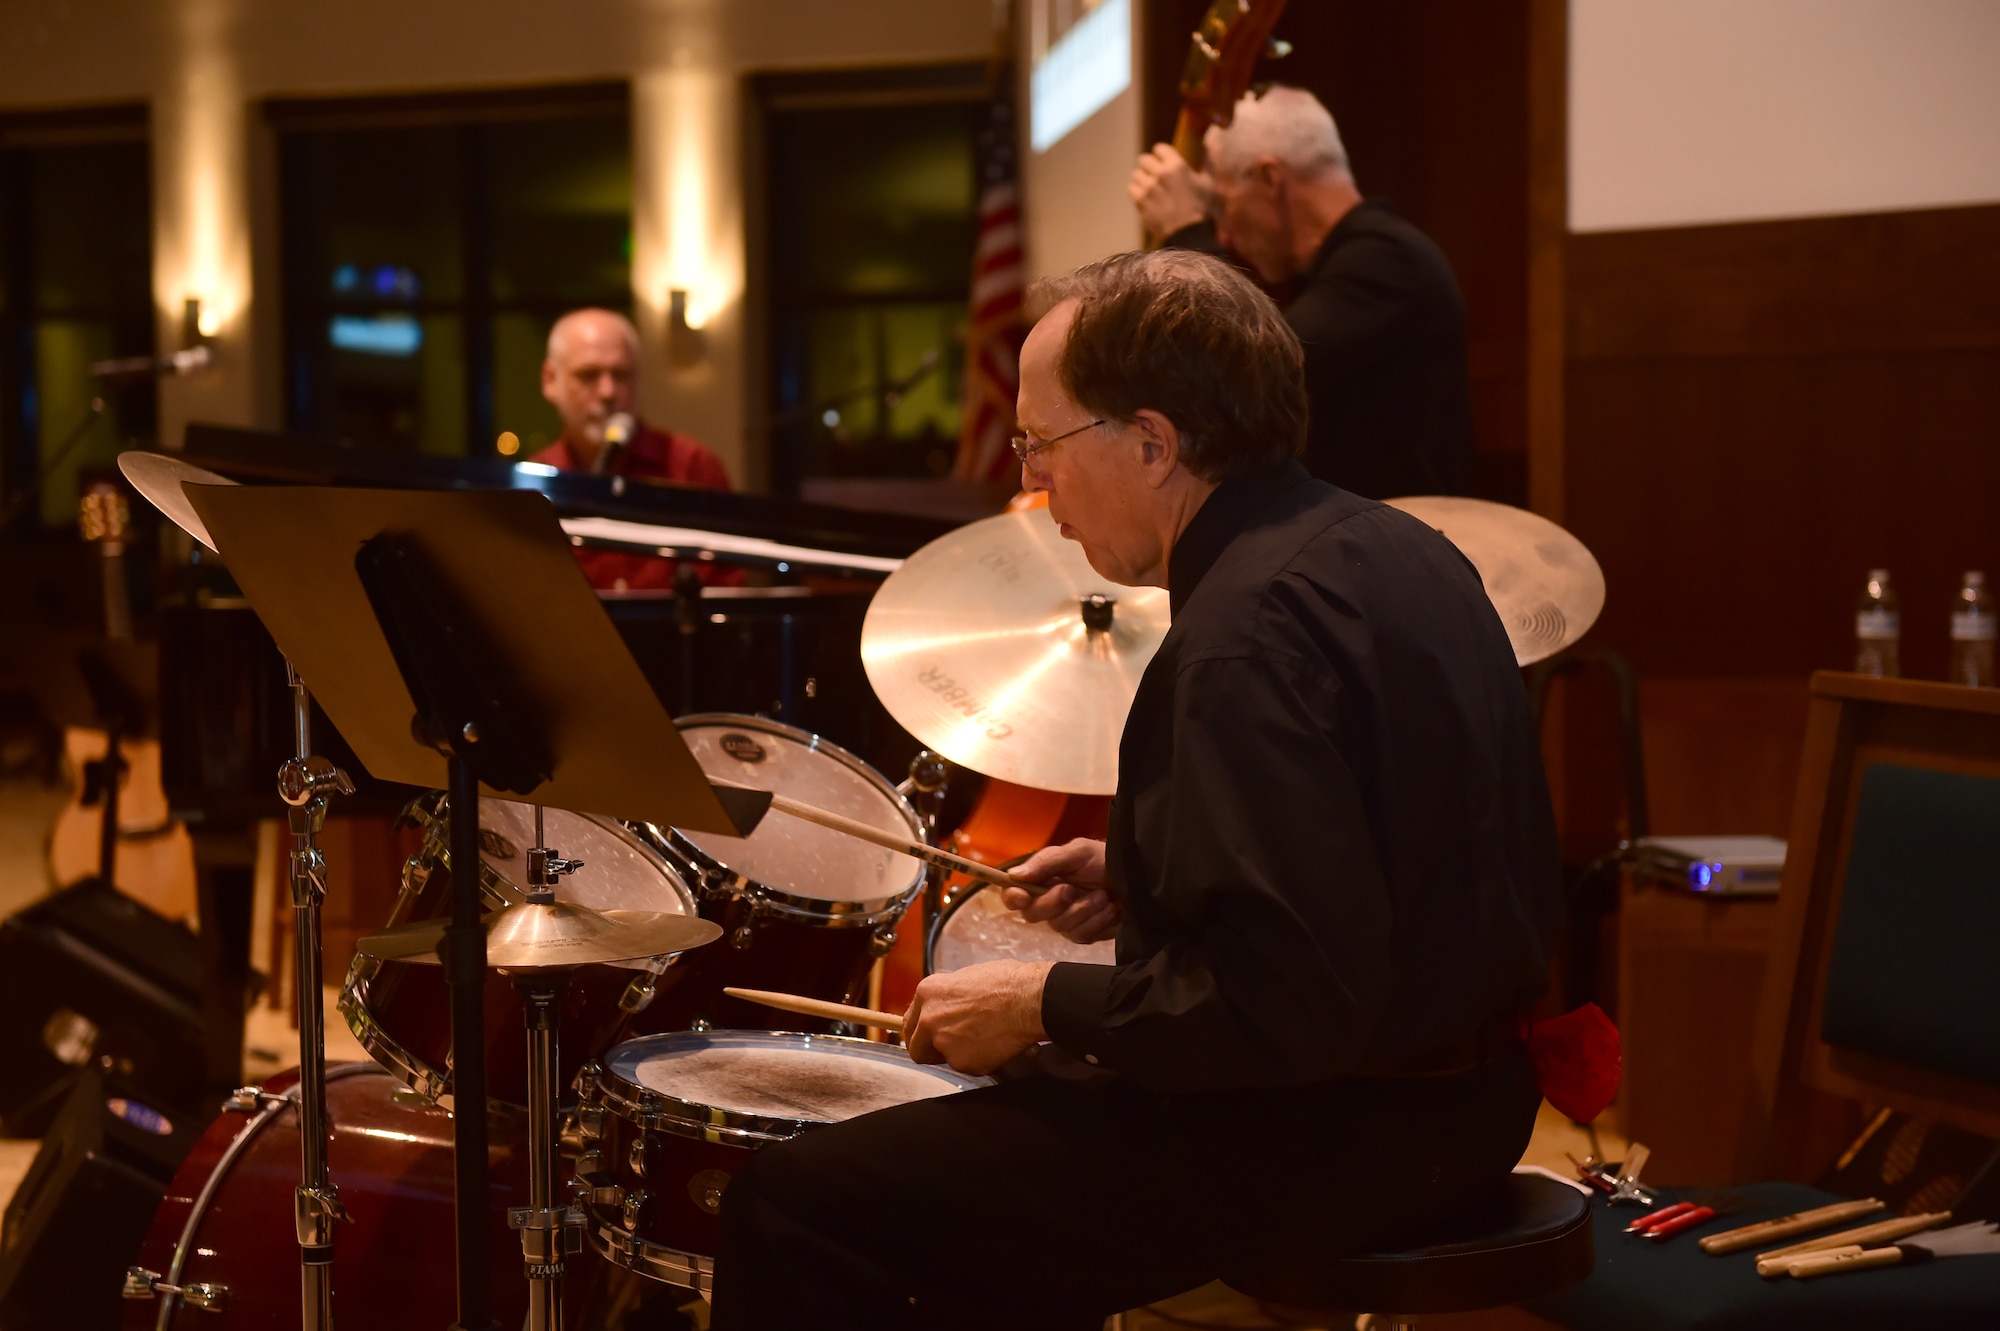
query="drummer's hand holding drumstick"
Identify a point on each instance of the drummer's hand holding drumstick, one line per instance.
(1074, 900)
(977, 1018)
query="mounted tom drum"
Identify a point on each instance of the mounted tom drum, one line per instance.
(803, 909)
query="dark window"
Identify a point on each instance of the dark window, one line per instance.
(868, 222)
(76, 286)
(428, 246)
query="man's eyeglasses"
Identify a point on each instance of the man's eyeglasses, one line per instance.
(1026, 445)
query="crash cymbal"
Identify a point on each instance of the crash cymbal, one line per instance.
(159, 478)
(527, 936)
(1001, 648)
(1545, 584)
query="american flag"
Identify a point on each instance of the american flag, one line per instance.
(994, 332)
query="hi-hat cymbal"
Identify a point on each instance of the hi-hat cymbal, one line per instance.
(1001, 648)
(1543, 581)
(159, 478)
(526, 936)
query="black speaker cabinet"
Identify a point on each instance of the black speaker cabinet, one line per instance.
(90, 976)
(77, 1219)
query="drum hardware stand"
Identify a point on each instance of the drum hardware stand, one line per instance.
(465, 712)
(304, 783)
(925, 789)
(548, 1232)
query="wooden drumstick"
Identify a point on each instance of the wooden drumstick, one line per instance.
(1802, 1222)
(818, 1007)
(943, 859)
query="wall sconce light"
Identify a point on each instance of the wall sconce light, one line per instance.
(198, 326)
(685, 343)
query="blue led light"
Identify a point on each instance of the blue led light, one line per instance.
(1703, 875)
(381, 335)
(346, 279)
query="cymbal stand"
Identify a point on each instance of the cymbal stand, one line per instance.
(925, 788)
(304, 782)
(548, 1231)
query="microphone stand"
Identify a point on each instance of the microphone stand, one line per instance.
(304, 782)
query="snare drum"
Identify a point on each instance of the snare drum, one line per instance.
(668, 1120)
(224, 1233)
(976, 927)
(401, 1010)
(803, 909)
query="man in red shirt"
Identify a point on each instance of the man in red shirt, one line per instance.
(587, 378)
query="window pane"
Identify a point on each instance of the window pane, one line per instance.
(838, 366)
(872, 201)
(64, 349)
(518, 405)
(92, 232)
(561, 210)
(392, 379)
(372, 215)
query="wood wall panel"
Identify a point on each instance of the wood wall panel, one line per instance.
(1890, 283)
(1755, 415)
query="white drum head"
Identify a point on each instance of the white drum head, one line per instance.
(981, 928)
(787, 853)
(775, 1076)
(620, 872)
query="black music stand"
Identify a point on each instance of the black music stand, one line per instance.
(454, 641)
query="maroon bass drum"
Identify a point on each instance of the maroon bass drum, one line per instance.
(401, 1010)
(223, 1239)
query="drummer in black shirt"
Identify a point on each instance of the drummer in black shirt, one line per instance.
(1331, 870)
(1372, 299)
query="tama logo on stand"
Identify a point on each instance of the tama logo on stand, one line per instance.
(742, 748)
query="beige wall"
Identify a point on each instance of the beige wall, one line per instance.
(203, 64)
(1701, 111)
(1074, 193)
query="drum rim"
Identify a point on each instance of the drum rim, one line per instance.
(656, 1261)
(935, 934)
(254, 1124)
(717, 876)
(389, 1053)
(425, 808)
(655, 1110)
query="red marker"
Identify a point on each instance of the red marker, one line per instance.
(1661, 1216)
(1686, 1220)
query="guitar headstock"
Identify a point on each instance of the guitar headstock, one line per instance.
(1222, 55)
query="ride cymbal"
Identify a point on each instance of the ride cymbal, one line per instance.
(159, 477)
(1001, 648)
(526, 935)
(1543, 581)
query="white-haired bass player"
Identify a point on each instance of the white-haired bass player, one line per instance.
(1372, 299)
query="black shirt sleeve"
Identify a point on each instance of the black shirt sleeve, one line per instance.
(1278, 964)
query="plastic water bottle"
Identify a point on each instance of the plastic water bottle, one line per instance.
(1972, 633)
(1878, 629)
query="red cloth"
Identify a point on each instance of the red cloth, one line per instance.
(653, 455)
(1578, 1061)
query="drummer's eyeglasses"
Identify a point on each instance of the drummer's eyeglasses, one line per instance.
(1026, 445)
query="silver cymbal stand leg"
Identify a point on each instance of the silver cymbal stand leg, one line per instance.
(304, 782)
(925, 788)
(548, 1231)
